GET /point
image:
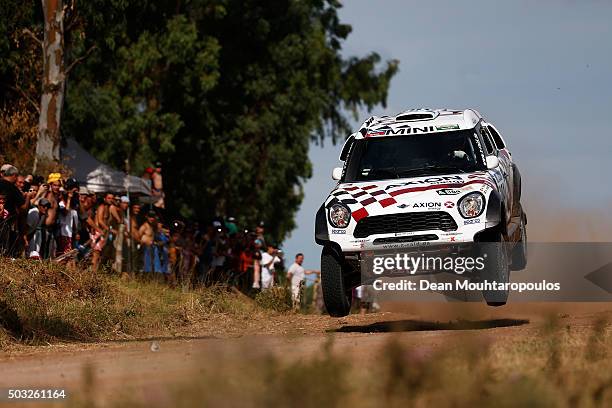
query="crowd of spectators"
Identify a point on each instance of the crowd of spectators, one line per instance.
(57, 219)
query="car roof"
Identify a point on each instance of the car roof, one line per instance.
(418, 121)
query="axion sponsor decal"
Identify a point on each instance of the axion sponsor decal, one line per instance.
(427, 205)
(449, 191)
(449, 204)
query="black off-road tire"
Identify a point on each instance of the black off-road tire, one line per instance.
(519, 253)
(496, 269)
(336, 295)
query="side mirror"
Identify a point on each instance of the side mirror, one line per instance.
(337, 173)
(492, 162)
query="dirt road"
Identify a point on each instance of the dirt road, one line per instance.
(144, 367)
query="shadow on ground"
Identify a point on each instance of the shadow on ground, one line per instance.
(421, 325)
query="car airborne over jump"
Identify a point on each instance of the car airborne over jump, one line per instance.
(441, 178)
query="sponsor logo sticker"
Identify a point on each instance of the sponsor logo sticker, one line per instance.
(427, 205)
(474, 221)
(448, 191)
(338, 231)
(447, 127)
(449, 204)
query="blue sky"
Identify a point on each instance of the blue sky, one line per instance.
(541, 71)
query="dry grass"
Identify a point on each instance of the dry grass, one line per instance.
(43, 302)
(555, 368)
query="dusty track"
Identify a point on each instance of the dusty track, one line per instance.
(117, 366)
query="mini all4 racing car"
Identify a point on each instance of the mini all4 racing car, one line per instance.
(440, 177)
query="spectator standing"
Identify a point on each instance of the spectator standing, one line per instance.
(147, 238)
(157, 189)
(260, 230)
(119, 214)
(68, 220)
(295, 276)
(14, 204)
(268, 260)
(102, 229)
(38, 222)
(134, 242)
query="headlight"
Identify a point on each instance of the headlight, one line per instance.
(339, 216)
(471, 205)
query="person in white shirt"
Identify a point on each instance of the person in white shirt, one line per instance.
(268, 260)
(295, 275)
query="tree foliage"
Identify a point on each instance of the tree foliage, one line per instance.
(227, 94)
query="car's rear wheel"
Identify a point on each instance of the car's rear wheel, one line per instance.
(519, 253)
(496, 270)
(336, 295)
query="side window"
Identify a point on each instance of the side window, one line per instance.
(487, 140)
(497, 138)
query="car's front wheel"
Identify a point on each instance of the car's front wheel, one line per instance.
(336, 295)
(496, 271)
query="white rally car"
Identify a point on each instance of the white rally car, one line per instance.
(441, 178)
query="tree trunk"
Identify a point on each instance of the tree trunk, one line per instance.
(53, 83)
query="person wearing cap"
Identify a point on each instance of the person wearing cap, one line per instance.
(148, 172)
(259, 232)
(38, 234)
(230, 225)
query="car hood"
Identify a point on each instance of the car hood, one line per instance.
(428, 193)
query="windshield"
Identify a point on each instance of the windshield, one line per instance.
(378, 158)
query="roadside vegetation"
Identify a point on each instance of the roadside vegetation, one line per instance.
(558, 367)
(42, 302)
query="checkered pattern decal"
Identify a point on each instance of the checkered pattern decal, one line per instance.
(364, 197)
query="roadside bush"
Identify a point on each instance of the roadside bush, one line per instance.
(277, 298)
(43, 302)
